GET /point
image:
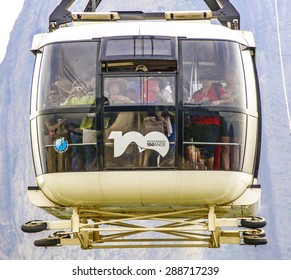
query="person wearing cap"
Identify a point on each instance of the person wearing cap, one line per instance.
(141, 68)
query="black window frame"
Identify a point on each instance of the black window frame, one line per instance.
(105, 41)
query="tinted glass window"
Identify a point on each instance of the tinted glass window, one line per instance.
(65, 68)
(149, 47)
(143, 90)
(215, 66)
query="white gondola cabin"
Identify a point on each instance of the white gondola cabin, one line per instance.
(146, 117)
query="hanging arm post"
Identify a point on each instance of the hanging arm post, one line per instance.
(225, 12)
(61, 15)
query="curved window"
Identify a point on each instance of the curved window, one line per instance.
(67, 142)
(67, 75)
(214, 97)
(213, 73)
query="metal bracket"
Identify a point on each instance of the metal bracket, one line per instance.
(225, 12)
(60, 15)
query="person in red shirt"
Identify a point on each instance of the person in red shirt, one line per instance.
(210, 94)
(206, 125)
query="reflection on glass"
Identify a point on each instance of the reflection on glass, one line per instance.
(140, 90)
(150, 47)
(213, 74)
(66, 66)
(118, 92)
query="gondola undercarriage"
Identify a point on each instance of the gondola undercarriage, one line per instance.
(209, 226)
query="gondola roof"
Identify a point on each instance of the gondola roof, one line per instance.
(153, 28)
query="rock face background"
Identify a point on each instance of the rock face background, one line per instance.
(16, 170)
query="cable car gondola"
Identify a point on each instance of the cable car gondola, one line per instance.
(145, 129)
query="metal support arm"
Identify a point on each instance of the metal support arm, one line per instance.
(223, 10)
(60, 15)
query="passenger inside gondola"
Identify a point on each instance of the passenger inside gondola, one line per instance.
(132, 95)
(157, 91)
(53, 98)
(170, 131)
(82, 153)
(54, 127)
(83, 143)
(79, 96)
(207, 126)
(211, 93)
(232, 87)
(142, 90)
(116, 91)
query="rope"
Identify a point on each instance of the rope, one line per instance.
(282, 66)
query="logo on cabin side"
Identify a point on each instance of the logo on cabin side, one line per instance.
(155, 140)
(61, 145)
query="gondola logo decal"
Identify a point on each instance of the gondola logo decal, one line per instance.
(155, 140)
(61, 145)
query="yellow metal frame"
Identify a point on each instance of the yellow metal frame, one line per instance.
(97, 229)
